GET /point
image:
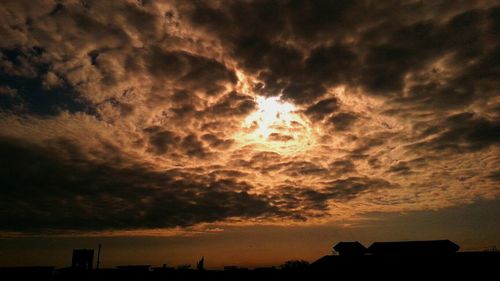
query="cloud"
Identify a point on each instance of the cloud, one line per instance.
(461, 132)
(217, 142)
(393, 44)
(343, 121)
(342, 167)
(279, 137)
(322, 108)
(43, 190)
(400, 168)
(314, 202)
(130, 114)
(161, 140)
(193, 72)
(494, 176)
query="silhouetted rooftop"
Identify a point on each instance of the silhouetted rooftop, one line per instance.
(134, 268)
(350, 248)
(432, 247)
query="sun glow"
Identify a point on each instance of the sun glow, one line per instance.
(276, 126)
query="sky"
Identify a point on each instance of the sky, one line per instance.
(250, 132)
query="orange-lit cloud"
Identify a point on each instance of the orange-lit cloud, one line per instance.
(137, 115)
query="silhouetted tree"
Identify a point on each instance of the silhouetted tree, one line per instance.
(201, 264)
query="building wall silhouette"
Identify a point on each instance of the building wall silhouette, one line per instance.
(83, 259)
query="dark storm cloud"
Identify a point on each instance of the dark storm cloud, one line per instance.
(308, 199)
(494, 176)
(186, 107)
(303, 92)
(302, 168)
(349, 188)
(216, 142)
(400, 168)
(232, 104)
(343, 121)
(360, 43)
(26, 71)
(305, 201)
(168, 84)
(300, 49)
(331, 64)
(322, 108)
(466, 38)
(193, 146)
(462, 132)
(161, 141)
(341, 167)
(57, 187)
(228, 173)
(192, 72)
(258, 41)
(371, 142)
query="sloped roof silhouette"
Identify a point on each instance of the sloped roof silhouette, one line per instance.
(324, 262)
(431, 247)
(349, 248)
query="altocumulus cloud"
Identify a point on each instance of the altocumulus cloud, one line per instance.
(45, 192)
(119, 115)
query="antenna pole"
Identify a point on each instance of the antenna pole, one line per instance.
(98, 256)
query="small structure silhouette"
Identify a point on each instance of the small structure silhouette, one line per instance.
(352, 249)
(83, 259)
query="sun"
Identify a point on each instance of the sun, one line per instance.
(271, 113)
(276, 125)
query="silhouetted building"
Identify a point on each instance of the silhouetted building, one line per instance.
(386, 256)
(164, 268)
(82, 259)
(141, 268)
(438, 259)
(350, 249)
(184, 267)
(413, 248)
(269, 269)
(28, 272)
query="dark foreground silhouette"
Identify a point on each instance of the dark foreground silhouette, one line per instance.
(388, 260)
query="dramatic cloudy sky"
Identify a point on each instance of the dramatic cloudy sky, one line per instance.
(170, 117)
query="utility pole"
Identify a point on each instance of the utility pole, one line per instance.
(98, 256)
